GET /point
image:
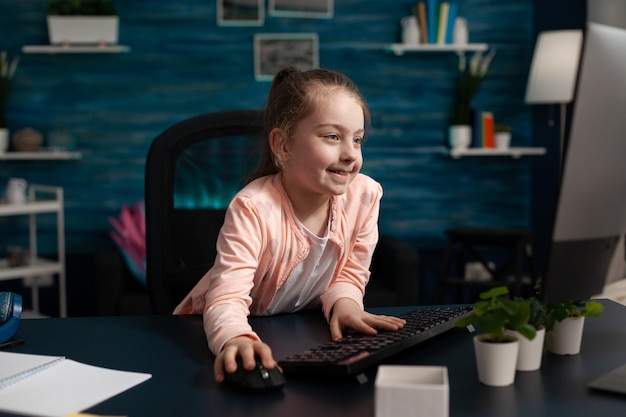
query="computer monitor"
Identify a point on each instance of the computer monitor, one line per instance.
(591, 210)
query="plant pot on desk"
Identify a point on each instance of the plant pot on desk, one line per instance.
(496, 361)
(566, 336)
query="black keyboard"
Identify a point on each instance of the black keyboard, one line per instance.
(353, 354)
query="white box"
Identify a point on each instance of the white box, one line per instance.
(412, 391)
(83, 29)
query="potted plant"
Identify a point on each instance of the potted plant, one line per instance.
(496, 352)
(531, 350)
(503, 135)
(82, 22)
(468, 82)
(565, 323)
(7, 70)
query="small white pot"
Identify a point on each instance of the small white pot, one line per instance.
(460, 136)
(68, 30)
(496, 362)
(503, 140)
(566, 336)
(530, 351)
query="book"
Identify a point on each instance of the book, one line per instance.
(53, 386)
(488, 141)
(431, 15)
(452, 14)
(442, 22)
(423, 21)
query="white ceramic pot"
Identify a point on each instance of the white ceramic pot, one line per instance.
(530, 351)
(460, 136)
(496, 362)
(83, 29)
(503, 140)
(566, 336)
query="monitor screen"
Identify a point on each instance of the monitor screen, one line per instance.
(591, 210)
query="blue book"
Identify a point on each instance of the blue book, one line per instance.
(452, 13)
(431, 12)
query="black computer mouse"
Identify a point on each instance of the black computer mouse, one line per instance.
(259, 379)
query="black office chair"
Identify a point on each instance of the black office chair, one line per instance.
(193, 169)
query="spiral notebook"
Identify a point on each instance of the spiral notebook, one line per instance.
(60, 386)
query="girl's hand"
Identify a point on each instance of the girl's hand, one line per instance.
(248, 349)
(348, 315)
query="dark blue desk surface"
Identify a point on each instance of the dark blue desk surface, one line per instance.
(174, 351)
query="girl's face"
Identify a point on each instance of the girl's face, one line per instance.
(324, 154)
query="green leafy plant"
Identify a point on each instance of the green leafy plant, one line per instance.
(7, 70)
(502, 128)
(495, 312)
(469, 80)
(557, 312)
(81, 7)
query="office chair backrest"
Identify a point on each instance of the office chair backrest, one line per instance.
(193, 170)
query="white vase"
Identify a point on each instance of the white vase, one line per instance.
(460, 35)
(530, 351)
(496, 362)
(460, 136)
(410, 30)
(566, 336)
(4, 139)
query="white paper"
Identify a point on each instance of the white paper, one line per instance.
(66, 387)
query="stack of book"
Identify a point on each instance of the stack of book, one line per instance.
(483, 133)
(436, 21)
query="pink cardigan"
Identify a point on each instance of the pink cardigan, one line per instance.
(261, 242)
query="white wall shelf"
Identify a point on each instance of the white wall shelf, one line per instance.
(515, 152)
(43, 155)
(401, 48)
(75, 49)
(41, 199)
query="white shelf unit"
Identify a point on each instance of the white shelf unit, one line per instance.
(402, 48)
(515, 152)
(44, 156)
(75, 49)
(41, 199)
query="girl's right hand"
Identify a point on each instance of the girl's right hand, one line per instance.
(248, 349)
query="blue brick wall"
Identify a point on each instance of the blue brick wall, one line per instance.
(182, 64)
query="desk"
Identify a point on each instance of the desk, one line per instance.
(174, 350)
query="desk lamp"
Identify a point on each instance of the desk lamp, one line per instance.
(553, 72)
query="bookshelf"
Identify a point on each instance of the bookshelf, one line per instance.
(400, 48)
(515, 152)
(69, 49)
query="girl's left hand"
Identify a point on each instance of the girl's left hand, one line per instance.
(348, 315)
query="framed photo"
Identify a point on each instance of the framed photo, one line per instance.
(317, 9)
(273, 52)
(240, 12)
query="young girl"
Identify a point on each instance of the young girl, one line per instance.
(301, 233)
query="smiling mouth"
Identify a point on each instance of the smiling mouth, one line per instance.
(339, 171)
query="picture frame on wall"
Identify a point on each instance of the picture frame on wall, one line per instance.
(316, 9)
(240, 12)
(273, 52)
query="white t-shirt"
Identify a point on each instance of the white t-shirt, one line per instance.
(309, 279)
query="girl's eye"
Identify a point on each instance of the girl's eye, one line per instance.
(359, 140)
(332, 137)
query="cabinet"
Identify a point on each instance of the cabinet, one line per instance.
(41, 199)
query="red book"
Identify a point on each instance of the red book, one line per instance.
(488, 130)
